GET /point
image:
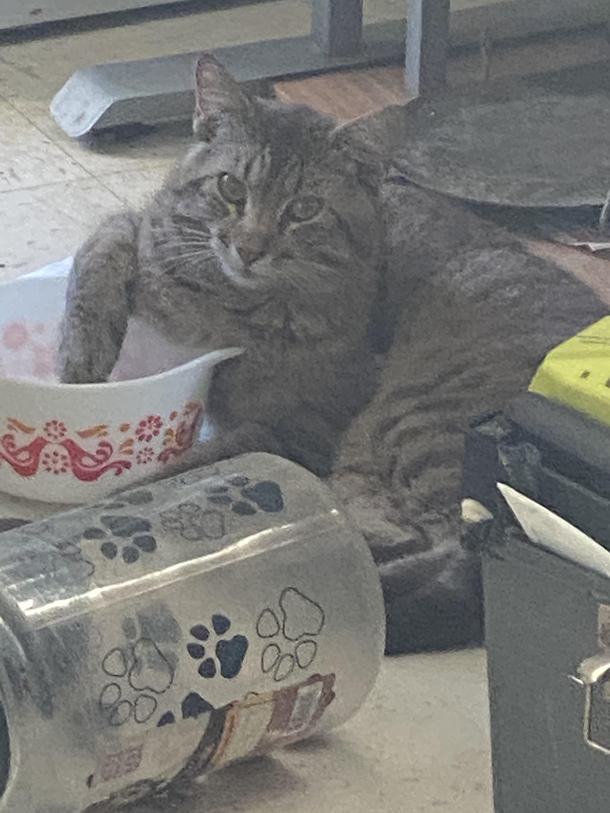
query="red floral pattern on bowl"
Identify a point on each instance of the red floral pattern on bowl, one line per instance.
(28, 350)
(87, 453)
(149, 428)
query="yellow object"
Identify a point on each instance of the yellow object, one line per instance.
(577, 373)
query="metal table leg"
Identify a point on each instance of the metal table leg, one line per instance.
(427, 46)
(336, 26)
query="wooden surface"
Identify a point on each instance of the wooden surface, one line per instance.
(427, 48)
(349, 95)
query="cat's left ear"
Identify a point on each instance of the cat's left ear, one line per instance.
(219, 100)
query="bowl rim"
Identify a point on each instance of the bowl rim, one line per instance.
(213, 356)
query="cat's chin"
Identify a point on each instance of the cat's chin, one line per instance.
(242, 278)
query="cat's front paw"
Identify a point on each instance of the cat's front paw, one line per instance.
(84, 359)
(380, 525)
(73, 371)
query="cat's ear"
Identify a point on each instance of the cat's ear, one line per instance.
(219, 100)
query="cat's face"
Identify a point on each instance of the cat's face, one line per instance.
(270, 198)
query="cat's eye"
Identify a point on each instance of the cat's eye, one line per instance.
(232, 189)
(305, 208)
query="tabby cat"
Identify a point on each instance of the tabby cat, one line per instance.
(378, 319)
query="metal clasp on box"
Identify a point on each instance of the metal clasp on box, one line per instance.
(594, 675)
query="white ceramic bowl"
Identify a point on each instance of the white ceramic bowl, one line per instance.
(70, 443)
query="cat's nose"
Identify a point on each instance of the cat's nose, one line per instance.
(251, 252)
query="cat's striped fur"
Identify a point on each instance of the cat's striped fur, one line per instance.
(307, 258)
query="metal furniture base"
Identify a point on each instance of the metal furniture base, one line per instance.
(154, 91)
(159, 90)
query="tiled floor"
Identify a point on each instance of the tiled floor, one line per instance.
(52, 190)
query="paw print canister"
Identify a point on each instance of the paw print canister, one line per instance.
(176, 628)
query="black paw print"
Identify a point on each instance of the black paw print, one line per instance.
(135, 531)
(229, 652)
(299, 621)
(244, 498)
(229, 658)
(193, 706)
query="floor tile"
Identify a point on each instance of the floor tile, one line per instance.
(160, 147)
(379, 10)
(135, 187)
(46, 223)
(28, 157)
(31, 72)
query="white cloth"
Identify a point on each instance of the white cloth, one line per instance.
(59, 269)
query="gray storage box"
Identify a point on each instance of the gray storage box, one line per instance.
(546, 571)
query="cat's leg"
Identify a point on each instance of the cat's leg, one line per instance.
(433, 594)
(431, 586)
(246, 420)
(478, 315)
(99, 301)
(398, 473)
(247, 438)
(309, 439)
(473, 344)
(301, 442)
(357, 481)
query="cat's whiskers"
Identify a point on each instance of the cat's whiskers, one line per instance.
(191, 259)
(316, 282)
(187, 259)
(189, 230)
(174, 252)
(186, 243)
